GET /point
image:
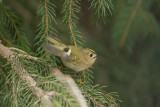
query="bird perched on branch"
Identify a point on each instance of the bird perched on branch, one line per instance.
(73, 57)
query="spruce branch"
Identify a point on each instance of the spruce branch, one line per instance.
(99, 98)
(45, 96)
(70, 10)
(23, 74)
(12, 21)
(71, 86)
(100, 8)
(11, 26)
(133, 23)
(46, 27)
(32, 71)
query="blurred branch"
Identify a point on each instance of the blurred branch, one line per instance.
(45, 97)
(133, 14)
(19, 8)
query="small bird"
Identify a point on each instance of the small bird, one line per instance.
(73, 57)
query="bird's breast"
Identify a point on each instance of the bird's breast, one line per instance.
(76, 65)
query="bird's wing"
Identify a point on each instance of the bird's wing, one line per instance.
(75, 54)
(56, 50)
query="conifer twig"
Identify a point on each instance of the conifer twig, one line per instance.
(14, 24)
(16, 49)
(5, 40)
(70, 23)
(46, 10)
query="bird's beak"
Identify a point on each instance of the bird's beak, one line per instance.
(98, 56)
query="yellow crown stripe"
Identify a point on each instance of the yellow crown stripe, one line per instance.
(92, 50)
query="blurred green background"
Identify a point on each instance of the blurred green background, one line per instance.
(128, 43)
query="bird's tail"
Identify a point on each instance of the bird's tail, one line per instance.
(54, 40)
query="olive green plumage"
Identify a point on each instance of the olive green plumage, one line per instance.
(73, 57)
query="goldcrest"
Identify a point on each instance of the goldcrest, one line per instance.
(73, 57)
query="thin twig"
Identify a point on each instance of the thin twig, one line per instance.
(70, 23)
(5, 40)
(16, 49)
(46, 9)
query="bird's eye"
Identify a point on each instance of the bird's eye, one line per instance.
(66, 49)
(90, 55)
